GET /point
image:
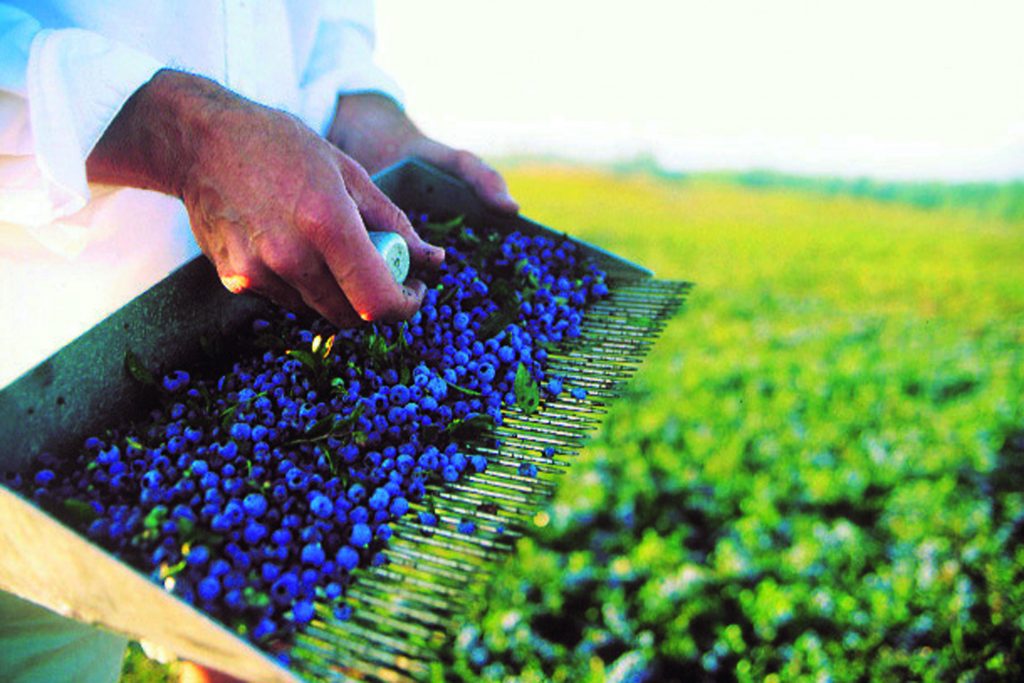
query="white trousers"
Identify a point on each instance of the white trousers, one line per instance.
(40, 646)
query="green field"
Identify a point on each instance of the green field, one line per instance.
(810, 477)
(814, 475)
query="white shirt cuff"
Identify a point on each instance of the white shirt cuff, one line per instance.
(75, 84)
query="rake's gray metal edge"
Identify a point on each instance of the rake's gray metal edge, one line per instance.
(413, 184)
(56, 404)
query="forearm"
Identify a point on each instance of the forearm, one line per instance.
(153, 141)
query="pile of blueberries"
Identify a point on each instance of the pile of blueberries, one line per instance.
(255, 493)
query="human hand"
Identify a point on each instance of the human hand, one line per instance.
(277, 209)
(376, 133)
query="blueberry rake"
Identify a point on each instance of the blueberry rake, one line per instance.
(403, 610)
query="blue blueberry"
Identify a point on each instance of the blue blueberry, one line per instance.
(347, 558)
(255, 505)
(313, 554)
(303, 611)
(361, 535)
(209, 588)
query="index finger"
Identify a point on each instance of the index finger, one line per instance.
(360, 270)
(380, 213)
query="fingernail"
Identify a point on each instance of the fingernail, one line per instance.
(410, 293)
(431, 254)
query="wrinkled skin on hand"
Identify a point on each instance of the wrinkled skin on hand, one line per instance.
(293, 225)
(376, 133)
(276, 208)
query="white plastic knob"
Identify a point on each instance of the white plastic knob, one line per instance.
(392, 247)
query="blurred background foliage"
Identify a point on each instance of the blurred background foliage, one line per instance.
(818, 474)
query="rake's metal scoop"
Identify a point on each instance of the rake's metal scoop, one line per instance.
(402, 610)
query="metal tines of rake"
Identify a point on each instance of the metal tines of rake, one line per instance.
(405, 609)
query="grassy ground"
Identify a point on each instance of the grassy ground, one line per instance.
(814, 473)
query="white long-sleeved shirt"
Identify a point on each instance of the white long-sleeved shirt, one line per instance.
(72, 252)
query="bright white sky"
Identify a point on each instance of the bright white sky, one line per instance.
(887, 88)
